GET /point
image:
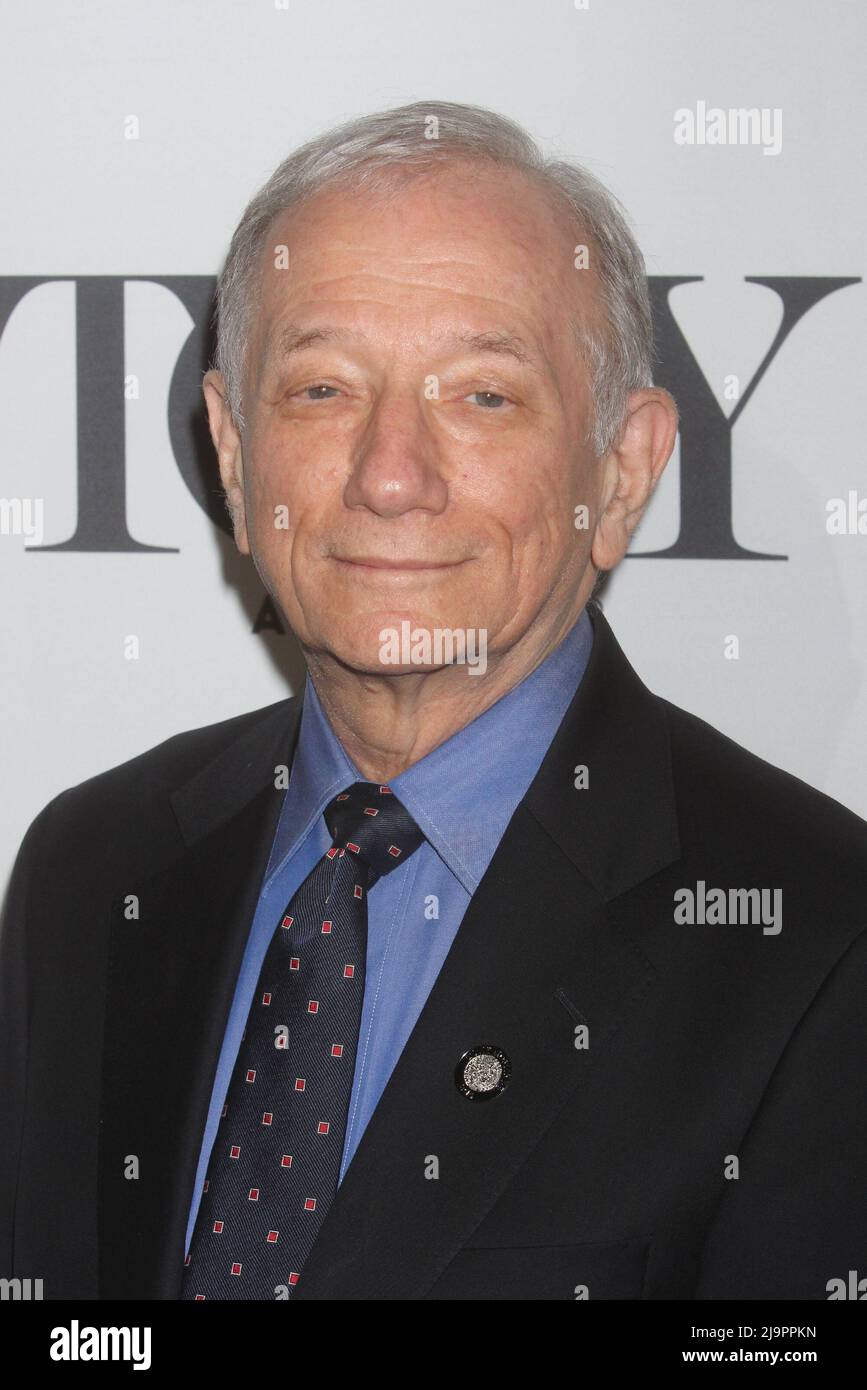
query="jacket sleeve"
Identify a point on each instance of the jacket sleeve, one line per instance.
(14, 1027)
(796, 1217)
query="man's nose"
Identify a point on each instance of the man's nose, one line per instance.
(397, 460)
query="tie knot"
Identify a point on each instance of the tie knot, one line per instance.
(368, 820)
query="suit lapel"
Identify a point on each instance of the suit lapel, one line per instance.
(540, 950)
(532, 936)
(171, 979)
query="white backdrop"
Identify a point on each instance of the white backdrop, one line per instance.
(222, 90)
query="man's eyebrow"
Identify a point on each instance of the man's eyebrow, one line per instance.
(499, 341)
(294, 339)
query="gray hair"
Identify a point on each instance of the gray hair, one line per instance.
(410, 137)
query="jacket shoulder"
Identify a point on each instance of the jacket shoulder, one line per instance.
(724, 789)
(157, 771)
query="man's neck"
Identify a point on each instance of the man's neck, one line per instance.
(387, 724)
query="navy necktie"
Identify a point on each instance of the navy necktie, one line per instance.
(275, 1163)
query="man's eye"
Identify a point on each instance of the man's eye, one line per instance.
(311, 392)
(489, 400)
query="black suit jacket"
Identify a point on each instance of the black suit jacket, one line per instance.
(606, 1168)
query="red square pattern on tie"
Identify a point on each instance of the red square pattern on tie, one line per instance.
(287, 1068)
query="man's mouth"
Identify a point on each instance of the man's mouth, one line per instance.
(372, 562)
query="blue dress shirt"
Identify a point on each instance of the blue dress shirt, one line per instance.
(462, 796)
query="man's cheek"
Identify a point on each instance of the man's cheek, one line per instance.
(269, 514)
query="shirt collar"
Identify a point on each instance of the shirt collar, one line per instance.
(463, 794)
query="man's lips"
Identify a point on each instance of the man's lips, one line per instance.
(372, 562)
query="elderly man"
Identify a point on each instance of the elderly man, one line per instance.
(477, 970)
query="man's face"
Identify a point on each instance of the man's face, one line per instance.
(388, 420)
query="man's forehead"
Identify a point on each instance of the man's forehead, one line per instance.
(500, 223)
(429, 234)
(289, 338)
(507, 194)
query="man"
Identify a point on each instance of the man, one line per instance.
(599, 1030)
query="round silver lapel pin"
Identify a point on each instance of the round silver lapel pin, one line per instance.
(482, 1072)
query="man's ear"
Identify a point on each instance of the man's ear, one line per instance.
(631, 470)
(227, 442)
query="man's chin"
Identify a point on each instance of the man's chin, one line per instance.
(399, 645)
